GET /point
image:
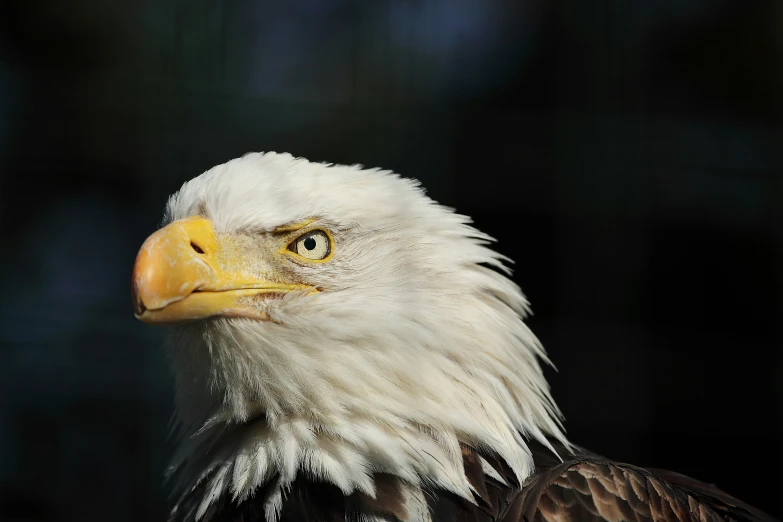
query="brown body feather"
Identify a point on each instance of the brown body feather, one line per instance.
(583, 487)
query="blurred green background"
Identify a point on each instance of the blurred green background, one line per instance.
(628, 155)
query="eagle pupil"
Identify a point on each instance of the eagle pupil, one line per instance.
(309, 243)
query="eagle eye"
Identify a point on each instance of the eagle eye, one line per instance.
(315, 245)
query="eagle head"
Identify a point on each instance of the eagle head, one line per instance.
(334, 322)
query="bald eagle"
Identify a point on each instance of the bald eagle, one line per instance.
(345, 348)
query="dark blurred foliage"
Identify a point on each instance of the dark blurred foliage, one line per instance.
(627, 154)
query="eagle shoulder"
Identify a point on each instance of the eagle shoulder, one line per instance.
(587, 486)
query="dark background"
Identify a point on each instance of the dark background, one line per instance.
(627, 154)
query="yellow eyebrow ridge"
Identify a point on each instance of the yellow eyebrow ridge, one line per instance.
(294, 226)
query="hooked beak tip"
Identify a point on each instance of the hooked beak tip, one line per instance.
(138, 304)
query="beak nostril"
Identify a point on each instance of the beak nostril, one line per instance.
(197, 248)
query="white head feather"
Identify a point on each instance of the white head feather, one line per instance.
(412, 346)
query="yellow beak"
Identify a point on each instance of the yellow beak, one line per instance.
(177, 278)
